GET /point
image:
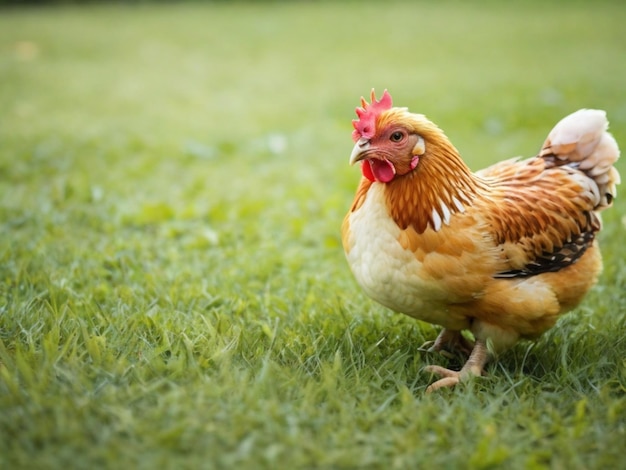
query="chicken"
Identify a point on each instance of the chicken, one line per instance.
(500, 253)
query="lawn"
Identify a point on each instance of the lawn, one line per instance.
(173, 291)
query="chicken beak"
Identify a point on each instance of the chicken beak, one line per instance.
(360, 147)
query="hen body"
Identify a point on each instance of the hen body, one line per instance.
(501, 253)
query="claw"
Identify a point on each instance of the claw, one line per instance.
(442, 371)
(446, 382)
(472, 368)
(449, 378)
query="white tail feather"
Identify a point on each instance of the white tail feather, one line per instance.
(581, 140)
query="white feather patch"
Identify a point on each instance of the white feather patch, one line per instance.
(436, 220)
(458, 205)
(463, 197)
(446, 213)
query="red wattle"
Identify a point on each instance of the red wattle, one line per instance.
(374, 169)
(366, 169)
(383, 170)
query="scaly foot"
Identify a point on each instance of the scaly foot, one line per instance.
(472, 368)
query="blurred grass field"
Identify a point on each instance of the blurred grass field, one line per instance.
(173, 293)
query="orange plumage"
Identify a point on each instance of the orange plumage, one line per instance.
(501, 252)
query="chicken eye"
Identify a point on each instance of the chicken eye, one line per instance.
(396, 136)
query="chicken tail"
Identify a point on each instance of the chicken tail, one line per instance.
(581, 141)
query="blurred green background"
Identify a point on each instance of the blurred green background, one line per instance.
(173, 292)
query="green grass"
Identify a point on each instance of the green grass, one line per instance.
(173, 293)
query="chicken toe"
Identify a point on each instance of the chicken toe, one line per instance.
(472, 368)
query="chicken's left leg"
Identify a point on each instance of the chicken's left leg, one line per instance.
(472, 368)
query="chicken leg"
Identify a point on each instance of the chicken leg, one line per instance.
(472, 368)
(449, 342)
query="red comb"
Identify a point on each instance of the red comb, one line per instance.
(365, 126)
